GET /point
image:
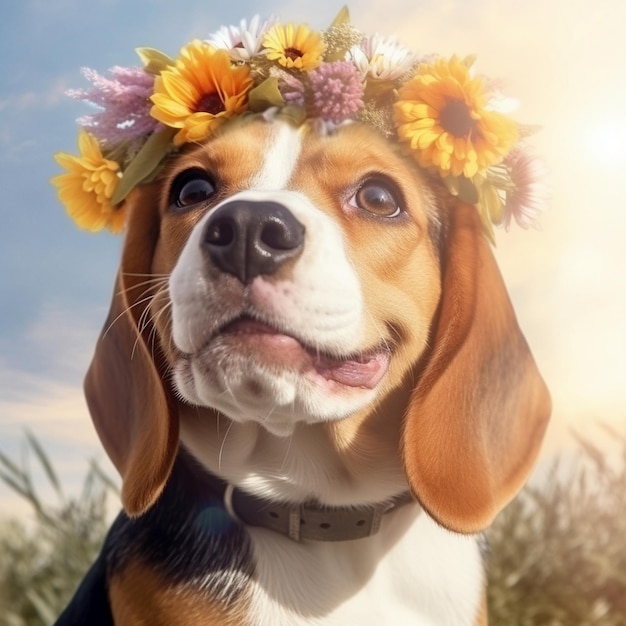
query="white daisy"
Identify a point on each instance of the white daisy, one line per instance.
(242, 42)
(381, 57)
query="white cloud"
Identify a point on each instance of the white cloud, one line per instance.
(51, 96)
(45, 389)
(56, 414)
(45, 397)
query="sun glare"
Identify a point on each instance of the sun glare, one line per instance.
(605, 142)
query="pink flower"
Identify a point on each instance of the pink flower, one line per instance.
(336, 91)
(292, 89)
(530, 195)
(124, 101)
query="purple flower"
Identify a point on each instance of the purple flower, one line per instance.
(124, 100)
(292, 90)
(336, 91)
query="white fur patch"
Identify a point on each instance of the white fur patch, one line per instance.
(281, 158)
(319, 302)
(413, 573)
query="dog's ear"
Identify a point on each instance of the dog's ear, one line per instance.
(130, 404)
(477, 416)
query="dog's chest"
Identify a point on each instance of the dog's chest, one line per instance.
(413, 572)
(208, 570)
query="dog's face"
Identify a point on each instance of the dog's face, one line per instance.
(285, 276)
(303, 278)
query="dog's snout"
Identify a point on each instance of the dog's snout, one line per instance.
(250, 238)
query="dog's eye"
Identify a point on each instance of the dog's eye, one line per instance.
(375, 196)
(191, 188)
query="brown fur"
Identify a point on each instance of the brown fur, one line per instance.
(140, 597)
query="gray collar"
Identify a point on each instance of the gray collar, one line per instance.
(310, 520)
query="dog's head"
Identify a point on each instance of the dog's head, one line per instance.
(282, 275)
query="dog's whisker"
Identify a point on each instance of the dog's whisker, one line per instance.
(151, 281)
(223, 444)
(269, 414)
(144, 274)
(283, 464)
(147, 319)
(152, 319)
(165, 307)
(125, 312)
(143, 297)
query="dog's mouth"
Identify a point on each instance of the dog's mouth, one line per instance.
(364, 369)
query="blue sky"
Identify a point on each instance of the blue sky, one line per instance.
(562, 58)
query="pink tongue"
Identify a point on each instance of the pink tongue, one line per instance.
(364, 373)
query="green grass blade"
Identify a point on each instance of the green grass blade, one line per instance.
(45, 464)
(10, 466)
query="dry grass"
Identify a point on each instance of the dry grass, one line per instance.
(42, 563)
(559, 552)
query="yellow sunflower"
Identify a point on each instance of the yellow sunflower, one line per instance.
(294, 46)
(199, 92)
(442, 113)
(88, 186)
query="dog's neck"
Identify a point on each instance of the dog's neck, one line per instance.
(304, 521)
(314, 464)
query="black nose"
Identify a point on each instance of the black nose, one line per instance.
(249, 239)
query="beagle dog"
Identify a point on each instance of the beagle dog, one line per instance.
(313, 385)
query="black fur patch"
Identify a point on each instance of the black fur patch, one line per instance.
(187, 536)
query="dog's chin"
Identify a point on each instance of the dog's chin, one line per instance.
(251, 372)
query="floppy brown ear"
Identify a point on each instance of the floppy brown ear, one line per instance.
(477, 416)
(131, 407)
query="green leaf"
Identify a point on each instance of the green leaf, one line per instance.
(145, 162)
(265, 95)
(483, 211)
(154, 61)
(469, 60)
(467, 190)
(343, 17)
(493, 202)
(295, 115)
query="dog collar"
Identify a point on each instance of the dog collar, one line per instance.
(310, 521)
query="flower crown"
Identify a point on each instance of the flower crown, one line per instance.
(450, 120)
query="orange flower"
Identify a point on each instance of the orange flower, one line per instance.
(202, 90)
(441, 112)
(88, 186)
